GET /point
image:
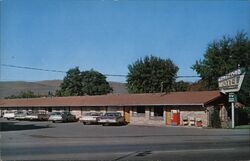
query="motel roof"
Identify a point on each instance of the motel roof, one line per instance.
(200, 98)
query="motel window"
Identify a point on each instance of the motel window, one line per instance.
(96, 109)
(66, 109)
(140, 110)
(158, 111)
(114, 109)
(57, 109)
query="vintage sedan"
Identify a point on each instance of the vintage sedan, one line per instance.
(90, 118)
(43, 117)
(112, 118)
(20, 115)
(9, 115)
(62, 117)
(31, 116)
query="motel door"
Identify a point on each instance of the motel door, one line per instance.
(168, 117)
(127, 114)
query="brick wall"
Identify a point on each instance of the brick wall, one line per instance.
(196, 115)
(147, 119)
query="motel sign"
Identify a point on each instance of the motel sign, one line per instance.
(231, 83)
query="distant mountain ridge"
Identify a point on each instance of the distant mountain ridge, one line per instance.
(8, 88)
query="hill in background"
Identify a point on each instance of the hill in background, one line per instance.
(8, 88)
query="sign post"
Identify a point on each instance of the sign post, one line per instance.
(233, 115)
(231, 83)
(232, 97)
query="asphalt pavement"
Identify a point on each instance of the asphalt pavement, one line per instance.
(24, 140)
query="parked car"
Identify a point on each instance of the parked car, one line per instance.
(62, 117)
(90, 118)
(37, 116)
(43, 117)
(111, 118)
(31, 116)
(20, 115)
(9, 115)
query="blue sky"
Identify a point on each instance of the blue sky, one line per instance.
(109, 35)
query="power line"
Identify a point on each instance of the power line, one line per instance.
(56, 71)
(60, 71)
(115, 75)
(32, 68)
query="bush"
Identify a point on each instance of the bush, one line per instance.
(242, 116)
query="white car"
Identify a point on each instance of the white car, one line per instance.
(112, 118)
(90, 118)
(20, 115)
(62, 117)
(9, 115)
(31, 116)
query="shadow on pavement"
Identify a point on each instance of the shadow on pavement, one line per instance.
(12, 126)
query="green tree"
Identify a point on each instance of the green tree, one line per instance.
(221, 57)
(72, 83)
(77, 83)
(151, 74)
(94, 83)
(244, 93)
(181, 86)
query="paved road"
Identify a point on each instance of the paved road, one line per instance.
(73, 141)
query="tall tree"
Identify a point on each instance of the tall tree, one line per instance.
(151, 74)
(72, 83)
(244, 93)
(77, 83)
(223, 56)
(94, 83)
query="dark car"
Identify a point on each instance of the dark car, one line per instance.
(36, 116)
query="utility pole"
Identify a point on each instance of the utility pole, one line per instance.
(161, 87)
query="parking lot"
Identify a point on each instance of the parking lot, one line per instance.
(32, 140)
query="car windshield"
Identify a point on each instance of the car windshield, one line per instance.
(112, 114)
(56, 113)
(19, 112)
